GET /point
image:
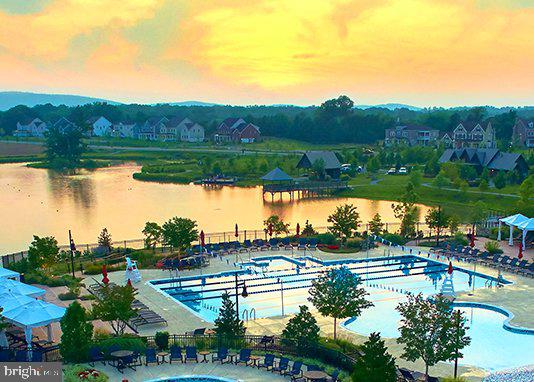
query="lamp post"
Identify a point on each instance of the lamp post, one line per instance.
(281, 293)
(244, 293)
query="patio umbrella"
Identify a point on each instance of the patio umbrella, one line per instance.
(520, 256)
(202, 239)
(298, 230)
(105, 279)
(270, 229)
(449, 271)
(236, 230)
(472, 240)
(8, 285)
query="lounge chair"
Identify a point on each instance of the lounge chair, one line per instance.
(221, 356)
(21, 356)
(314, 368)
(128, 361)
(150, 356)
(512, 264)
(282, 366)
(191, 354)
(302, 244)
(37, 356)
(96, 355)
(244, 357)
(197, 332)
(267, 363)
(273, 243)
(286, 243)
(333, 377)
(406, 375)
(312, 245)
(176, 353)
(528, 271)
(296, 370)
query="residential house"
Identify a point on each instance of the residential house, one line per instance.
(332, 165)
(473, 135)
(523, 132)
(236, 130)
(154, 128)
(492, 159)
(30, 127)
(64, 125)
(125, 129)
(192, 132)
(445, 138)
(99, 126)
(411, 135)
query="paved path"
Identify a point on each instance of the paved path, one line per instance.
(470, 191)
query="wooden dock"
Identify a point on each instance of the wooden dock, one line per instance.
(305, 189)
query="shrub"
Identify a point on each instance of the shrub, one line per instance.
(344, 177)
(39, 277)
(77, 332)
(67, 296)
(125, 342)
(460, 239)
(96, 268)
(493, 247)
(395, 239)
(452, 379)
(145, 259)
(326, 238)
(162, 340)
(355, 243)
(21, 266)
(79, 373)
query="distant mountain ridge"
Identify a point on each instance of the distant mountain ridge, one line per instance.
(389, 106)
(12, 99)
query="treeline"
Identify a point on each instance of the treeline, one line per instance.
(335, 121)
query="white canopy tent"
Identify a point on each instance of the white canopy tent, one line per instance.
(512, 221)
(35, 314)
(8, 285)
(526, 226)
(10, 301)
(9, 274)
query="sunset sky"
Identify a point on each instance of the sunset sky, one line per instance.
(420, 52)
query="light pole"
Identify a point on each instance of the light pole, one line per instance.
(282, 293)
(244, 293)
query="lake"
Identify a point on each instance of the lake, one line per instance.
(44, 202)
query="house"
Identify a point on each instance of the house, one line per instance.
(192, 132)
(445, 138)
(474, 135)
(332, 165)
(30, 127)
(236, 130)
(523, 132)
(411, 135)
(125, 129)
(492, 159)
(64, 125)
(99, 126)
(154, 128)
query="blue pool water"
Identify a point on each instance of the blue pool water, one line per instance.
(194, 378)
(387, 279)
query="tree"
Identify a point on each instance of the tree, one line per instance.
(440, 181)
(318, 169)
(115, 307)
(104, 240)
(302, 329)
(308, 229)
(406, 211)
(76, 334)
(153, 233)
(500, 180)
(478, 213)
(375, 364)
(432, 166)
(429, 331)
(227, 324)
(279, 227)
(437, 219)
(43, 252)
(345, 220)
(337, 294)
(468, 172)
(336, 107)
(373, 165)
(375, 225)
(179, 233)
(416, 178)
(64, 147)
(526, 190)
(483, 185)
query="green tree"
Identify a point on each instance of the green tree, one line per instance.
(318, 169)
(373, 165)
(432, 166)
(302, 329)
(337, 294)
(376, 227)
(179, 233)
(104, 240)
(500, 180)
(526, 190)
(43, 252)
(440, 181)
(76, 334)
(64, 148)
(416, 178)
(279, 227)
(115, 306)
(336, 107)
(483, 185)
(227, 324)
(478, 213)
(468, 172)
(153, 233)
(345, 220)
(375, 364)
(429, 331)
(308, 229)
(437, 219)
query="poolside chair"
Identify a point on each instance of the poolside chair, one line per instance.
(520, 266)
(406, 375)
(221, 356)
(191, 354)
(267, 363)
(150, 356)
(302, 244)
(176, 353)
(296, 370)
(314, 368)
(5, 355)
(244, 357)
(36, 356)
(512, 264)
(282, 366)
(528, 271)
(502, 262)
(96, 355)
(128, 361)
(21, 356)
(333, 377)
(286, 242)
(273, 243)
(312, 245)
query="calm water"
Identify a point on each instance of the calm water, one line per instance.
(43, 202)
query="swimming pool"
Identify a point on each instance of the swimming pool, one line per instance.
(193, 378)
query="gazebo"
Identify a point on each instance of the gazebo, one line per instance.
(277, 176)
(8, 285)
(526, 227)
(512, 221)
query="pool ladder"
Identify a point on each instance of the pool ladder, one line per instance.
(248, 315)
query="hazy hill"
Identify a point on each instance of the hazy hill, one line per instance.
(11, 99)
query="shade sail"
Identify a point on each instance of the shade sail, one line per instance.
(8, 285)
(514, 219)
(9, 274)
(34, 314)
(10, 301)
(276, 175)
(527, 225)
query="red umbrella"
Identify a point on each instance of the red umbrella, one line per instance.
(449, 271)
(520, 256)
(129, 283)
(202, 239)
(270, 229)
(472, 243)
(105, 279)
(236, 230)
(298, 229)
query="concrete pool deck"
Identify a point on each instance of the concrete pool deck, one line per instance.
(513, 297)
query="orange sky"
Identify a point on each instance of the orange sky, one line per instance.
(421, 52)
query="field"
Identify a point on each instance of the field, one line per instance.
(8, 149)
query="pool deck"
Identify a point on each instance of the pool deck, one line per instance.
(513, 297)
